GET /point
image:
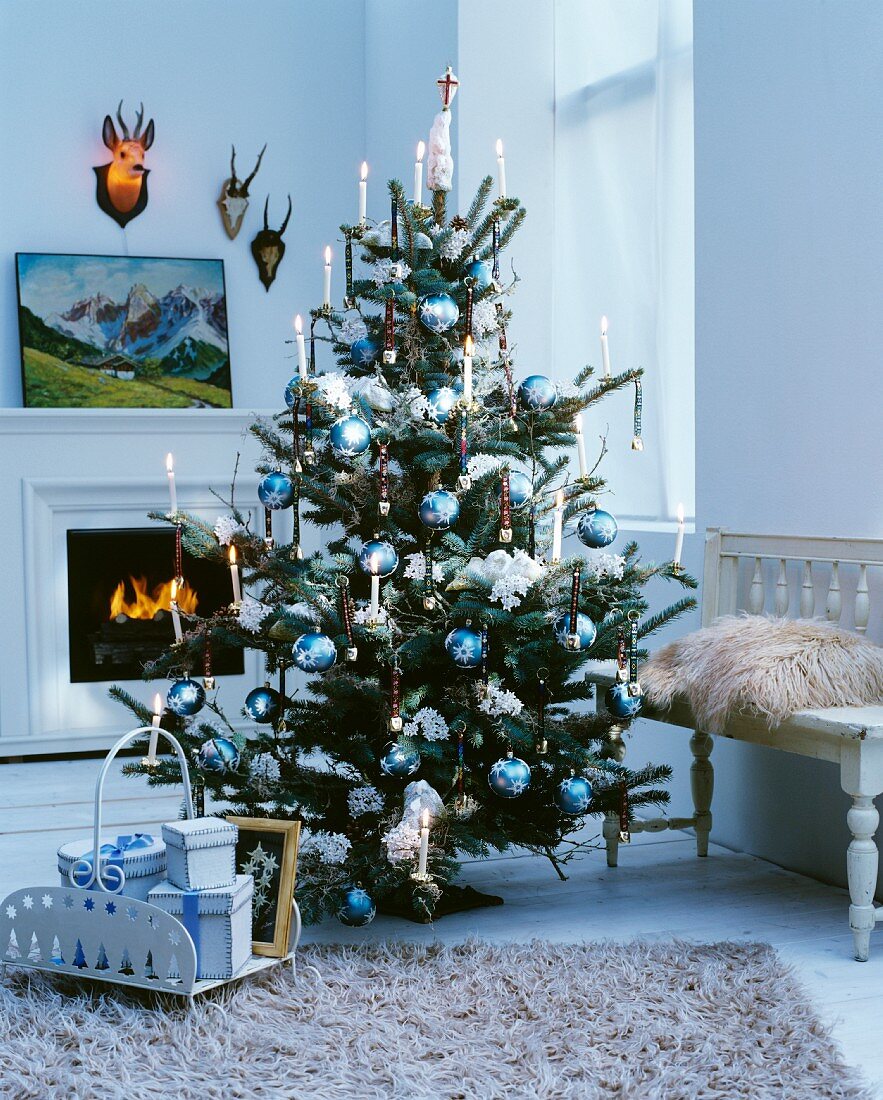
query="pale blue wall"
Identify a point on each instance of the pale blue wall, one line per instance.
(210, 72)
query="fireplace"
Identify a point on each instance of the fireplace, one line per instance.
(119, 589)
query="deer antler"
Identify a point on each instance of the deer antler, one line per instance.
(232, 165)
(284, 225)
(138, 121)
(255, 172)
(123, 126)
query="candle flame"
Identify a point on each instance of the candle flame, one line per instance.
(170, 463)
(327, 255)
(559, 499)
(499, 147)
(604, 325)
(426, 819)
(421, 149)
(157, 704)
(680, 513)
(374, 564)
(232, 555)
(173, 592)
(298, 325)
(364, 173)
(578, 423)
(468, 346)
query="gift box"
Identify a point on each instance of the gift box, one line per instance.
(200, 853)
(141, 857)
(218, 922)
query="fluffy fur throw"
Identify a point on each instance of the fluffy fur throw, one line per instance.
(771, 666)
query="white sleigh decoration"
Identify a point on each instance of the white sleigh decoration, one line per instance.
(104, 936)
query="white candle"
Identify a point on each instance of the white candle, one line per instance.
(501, 169)
(580, 445)
(418, 173)
(679, 538)
(374, 612)
(424, 844)
(176, 618)
(558, 526)
(173, 494)
(301, 348)
(468, 349)
(150, 760)
(363, 194)
(326, 293)
(234, 575)
(605, 351)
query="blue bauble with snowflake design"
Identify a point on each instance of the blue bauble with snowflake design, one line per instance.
(596, 528)
(357, 908)
(585, 630)
(399, 761)
(520, 489)
(464, 647)
(262, 705)
(439, 510)
(350, 436)
(440, 403)
(620, 702)
(574, 795)
(186, 697)
(509, 777)
(220, 755)
(438, 312)
(480, 272)
(538, 393)
(292, 391)
(378, 557)
(365, 352)
(314, 652)
(276, 490)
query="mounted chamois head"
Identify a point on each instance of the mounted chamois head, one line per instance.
(268, 248)
(234, 195)
(122, 184)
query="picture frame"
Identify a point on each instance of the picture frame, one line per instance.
(266, 848)
(122, 331)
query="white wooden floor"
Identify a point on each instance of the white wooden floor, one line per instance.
(660, 889)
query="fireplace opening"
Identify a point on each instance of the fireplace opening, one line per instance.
(119, 595)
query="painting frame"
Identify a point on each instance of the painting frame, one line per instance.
(82, 351)
(261, 827)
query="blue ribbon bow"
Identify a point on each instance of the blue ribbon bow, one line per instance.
(114, 854)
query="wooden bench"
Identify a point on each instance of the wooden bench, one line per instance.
(740, 570)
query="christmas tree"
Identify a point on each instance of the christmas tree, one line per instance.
(443, 630)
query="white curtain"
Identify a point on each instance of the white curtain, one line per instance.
(623, 240)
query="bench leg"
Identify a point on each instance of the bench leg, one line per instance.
(702, 787)
(861, 871)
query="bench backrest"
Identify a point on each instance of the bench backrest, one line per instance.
(793, 576)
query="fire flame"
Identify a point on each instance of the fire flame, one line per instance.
(148, 601)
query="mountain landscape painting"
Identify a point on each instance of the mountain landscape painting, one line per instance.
(122, 332)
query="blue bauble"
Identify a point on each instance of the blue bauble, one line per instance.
(314, 652)
(356, 907)
(439, 510)
(350, 436)
(538, 392)
(438, 312)
(399, 762)
(509, 778)
(574, 795)
(365, 352)
(585, 630)
(276, 490)
(480, 272)
(596, 528)
(378, 557)
(464, 647)
(520, 489)
(218, 755)
(292, 391)
(620, 703)
(441, 402)
(186, 697)
(262, 705)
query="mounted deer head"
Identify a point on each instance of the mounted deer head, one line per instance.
(122, 184)
(268, 248)
(234, 196)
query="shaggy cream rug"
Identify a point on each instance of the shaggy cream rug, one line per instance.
(771, 666)
(667, 1021)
